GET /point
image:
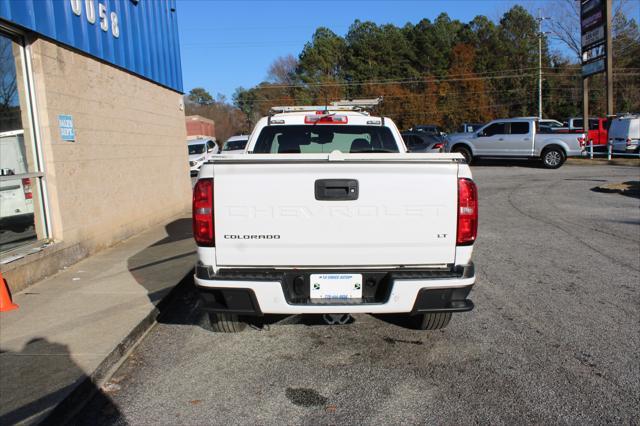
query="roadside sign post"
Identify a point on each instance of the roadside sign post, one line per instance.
(609, 60)
(595, 26)
(585, 106)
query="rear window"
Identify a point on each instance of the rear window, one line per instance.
(234, 145)
(314, 139)
(519, 128)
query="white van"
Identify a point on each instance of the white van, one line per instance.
(16, 197)
(624, 134)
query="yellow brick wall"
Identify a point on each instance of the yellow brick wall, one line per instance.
(128, 167)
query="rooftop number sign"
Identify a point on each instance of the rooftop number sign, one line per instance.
(140, 36)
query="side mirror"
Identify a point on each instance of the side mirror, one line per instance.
(479, 134)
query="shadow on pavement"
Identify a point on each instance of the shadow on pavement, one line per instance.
(402, 321)
(177, 230)
(533, 164)
(162, 265)
(21, 379)
(629, 189)
(165, 270)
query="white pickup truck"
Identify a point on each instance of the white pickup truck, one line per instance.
(327, 214)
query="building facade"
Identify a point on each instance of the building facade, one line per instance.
(92, 129)
(200, 127)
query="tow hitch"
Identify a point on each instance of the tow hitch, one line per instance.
(332, 319)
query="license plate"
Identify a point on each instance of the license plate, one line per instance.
(336, 286)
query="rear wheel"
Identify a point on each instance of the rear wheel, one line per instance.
(226, 323)
(432, 321)
(552, 158)
(465, 153)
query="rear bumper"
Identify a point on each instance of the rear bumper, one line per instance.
(384, 292)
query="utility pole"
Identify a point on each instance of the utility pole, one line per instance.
(540, 18)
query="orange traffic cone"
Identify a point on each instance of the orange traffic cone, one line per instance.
(5, 298)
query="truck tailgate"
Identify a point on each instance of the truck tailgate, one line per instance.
(267, 213)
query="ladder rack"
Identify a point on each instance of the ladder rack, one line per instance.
(342, 105)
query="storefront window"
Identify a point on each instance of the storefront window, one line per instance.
(20, 178)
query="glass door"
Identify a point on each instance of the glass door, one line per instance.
(21, 178)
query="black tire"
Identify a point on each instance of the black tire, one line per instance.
(552, 157)
(465, 153)
(226, 323)
(432, 321)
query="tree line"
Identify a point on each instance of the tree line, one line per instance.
(446, 72)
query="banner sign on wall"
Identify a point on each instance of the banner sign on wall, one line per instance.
(67, 132)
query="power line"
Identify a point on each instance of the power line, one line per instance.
(414, 81)
(403, 81)
(455, 94)
(447, 98)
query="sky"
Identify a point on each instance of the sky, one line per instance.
(228, 44)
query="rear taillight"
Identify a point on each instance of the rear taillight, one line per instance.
(26, 187)
(467, 212)
(438, 146)
(582, 141)
(203, 229)
(628, 141)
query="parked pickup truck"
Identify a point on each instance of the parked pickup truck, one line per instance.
(327, 213)
(597, 133)
(517, 138)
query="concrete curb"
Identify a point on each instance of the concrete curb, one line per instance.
(86, 389)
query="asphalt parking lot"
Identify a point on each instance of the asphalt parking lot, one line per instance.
(554, 337)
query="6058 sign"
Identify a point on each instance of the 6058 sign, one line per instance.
(106, 20)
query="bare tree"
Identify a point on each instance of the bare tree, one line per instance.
(282, 70)
(8, 83)
(564, 22)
